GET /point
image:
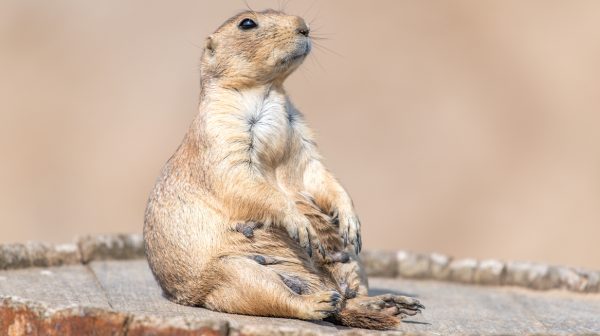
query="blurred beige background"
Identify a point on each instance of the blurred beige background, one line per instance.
(465, 127)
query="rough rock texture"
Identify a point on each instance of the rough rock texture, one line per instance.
(44, 254)
(23, 317)
(37, 254)
(489, 272)
(439, 266)
(413, 265)
(462, 270)
(591, 280)
(19, 317)
(14, 256)
(380, 263)
(140, 325)
(105, 247)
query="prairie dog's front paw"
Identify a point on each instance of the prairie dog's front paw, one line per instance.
(300, 229)
(350, 229)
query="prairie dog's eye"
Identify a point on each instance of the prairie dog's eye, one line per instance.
(246, 24)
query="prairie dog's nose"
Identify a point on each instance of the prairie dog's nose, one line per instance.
(303, 28)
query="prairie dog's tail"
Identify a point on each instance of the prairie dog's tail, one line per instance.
(365, 318)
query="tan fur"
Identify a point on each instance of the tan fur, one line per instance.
(249, 159)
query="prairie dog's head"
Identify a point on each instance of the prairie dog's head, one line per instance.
(254, 48)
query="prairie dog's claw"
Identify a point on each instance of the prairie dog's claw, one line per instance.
(322, 250)
(359, 242)
(293, 232)
(350, 231)
(302, 232)
(308, 246)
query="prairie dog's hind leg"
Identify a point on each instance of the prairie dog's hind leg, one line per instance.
(250, 288)
(349, 275)
(353, 284)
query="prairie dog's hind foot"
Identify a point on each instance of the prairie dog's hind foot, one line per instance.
(321, 305)
(389, 304)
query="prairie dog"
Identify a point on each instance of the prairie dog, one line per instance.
(238, 210)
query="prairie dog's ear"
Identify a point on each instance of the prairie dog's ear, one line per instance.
(210, 45)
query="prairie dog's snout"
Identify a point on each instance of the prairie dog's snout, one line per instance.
(303, 28)
(304, 43)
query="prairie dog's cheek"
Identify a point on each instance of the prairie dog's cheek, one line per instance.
(241, 63)
(277, 54)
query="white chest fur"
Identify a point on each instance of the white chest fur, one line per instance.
(257, 124)
(269, 127)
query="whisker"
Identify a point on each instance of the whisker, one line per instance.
(316, 28)
(316, 16)
(320, 46)
(306, 12)
(304, 71)
(194, 44)
(316, 33)
(248, 7)
(315, 60)
(319, 31)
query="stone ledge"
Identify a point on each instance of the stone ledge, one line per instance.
(480, 272)
(117, 297)
(37, 254)
(403, 264)
(110, 247)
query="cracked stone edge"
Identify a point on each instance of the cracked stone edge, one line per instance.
(27, 317)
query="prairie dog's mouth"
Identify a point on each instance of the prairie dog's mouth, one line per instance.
(301, 51)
